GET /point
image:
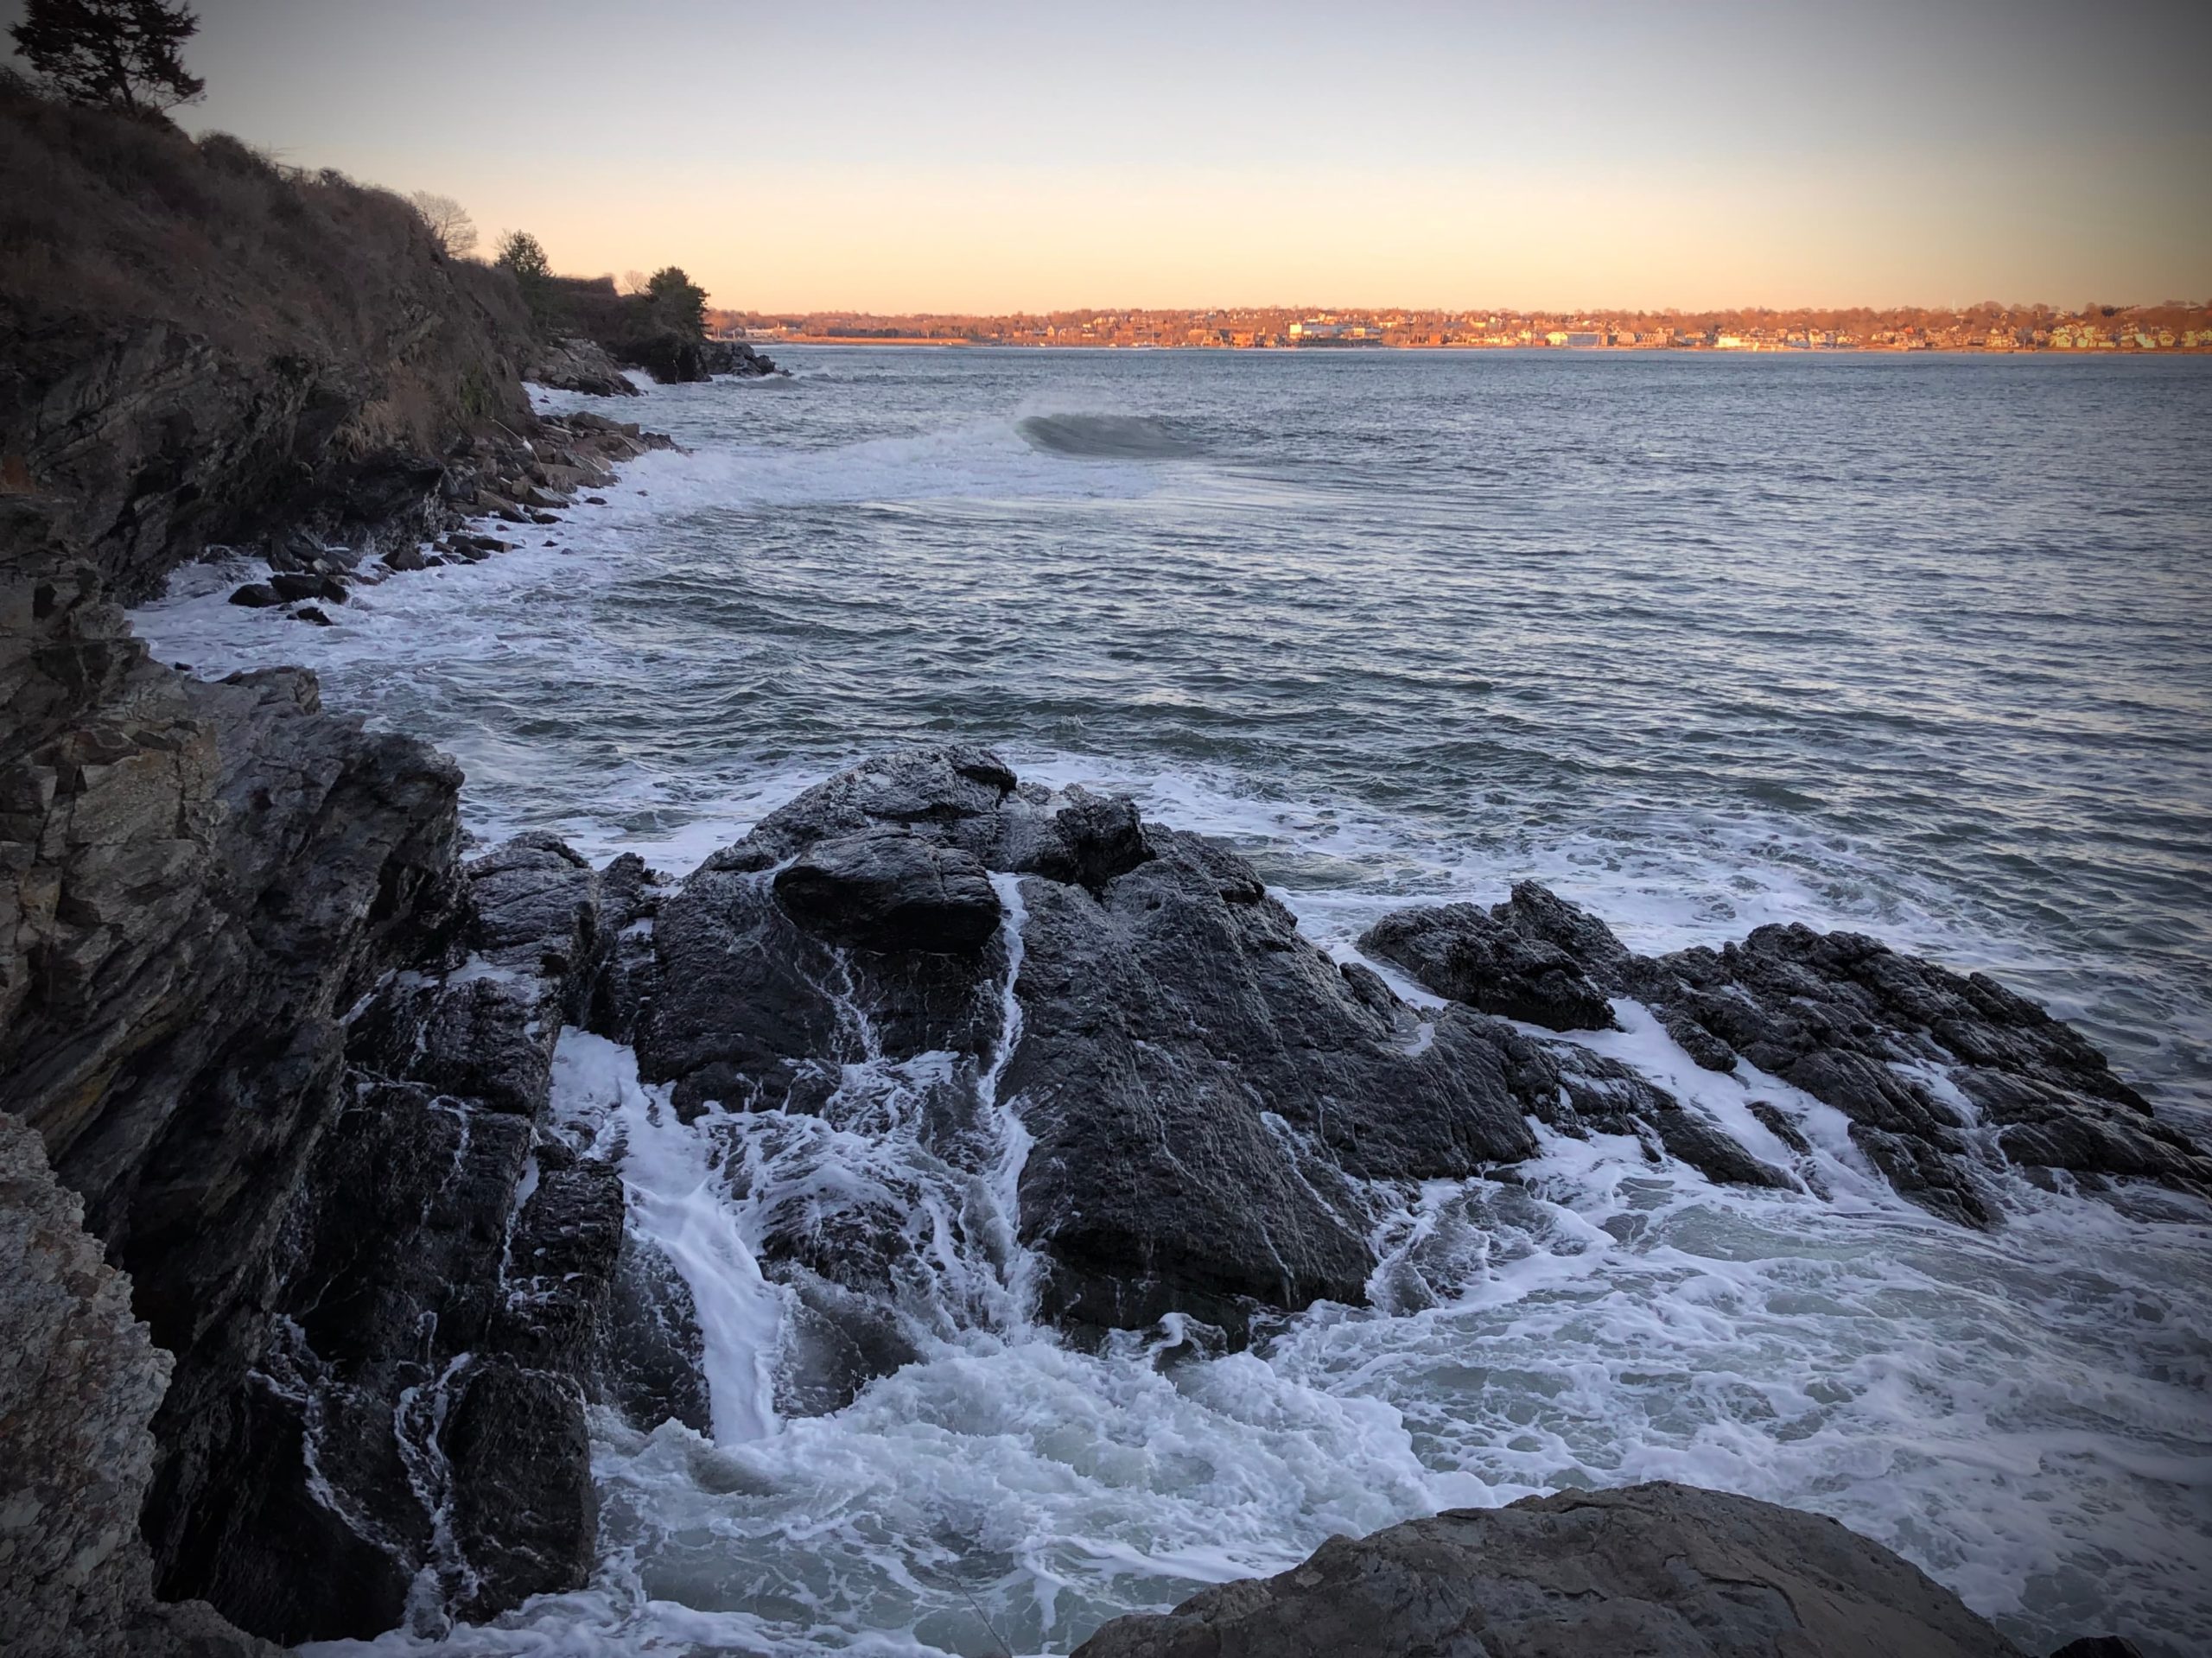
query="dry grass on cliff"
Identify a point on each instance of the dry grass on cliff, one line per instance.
(108, 221)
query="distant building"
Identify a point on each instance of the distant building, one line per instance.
(1326, 331)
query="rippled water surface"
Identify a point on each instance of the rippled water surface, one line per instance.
(1914, 645)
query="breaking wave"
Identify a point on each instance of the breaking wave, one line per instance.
(1106, 437)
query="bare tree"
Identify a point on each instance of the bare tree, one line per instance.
(634, 282)
(449, 221)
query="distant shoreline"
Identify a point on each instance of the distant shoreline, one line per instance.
(909, 343)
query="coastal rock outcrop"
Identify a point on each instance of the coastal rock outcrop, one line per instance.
(1218, 1114)
(1207, 1092)
(1942, 1077)
(583, 366)
(1661, 1569)
(414, 1449)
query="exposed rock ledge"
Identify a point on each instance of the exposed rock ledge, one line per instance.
(1660, 1571)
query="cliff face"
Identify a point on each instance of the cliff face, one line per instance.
(200, 883)
(79, 1377)
(204, 348)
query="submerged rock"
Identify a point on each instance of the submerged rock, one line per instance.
(1664, 1569)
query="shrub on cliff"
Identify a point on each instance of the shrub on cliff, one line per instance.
(288, 285)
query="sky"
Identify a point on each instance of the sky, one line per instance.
(982, 157)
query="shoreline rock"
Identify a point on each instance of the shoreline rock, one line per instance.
(1657, 1569)
(1942, 1077)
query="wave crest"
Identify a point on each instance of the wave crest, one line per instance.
(1109, 437)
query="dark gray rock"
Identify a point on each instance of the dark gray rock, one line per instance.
(1205, 1090)
(1092, 839)
(257, 595)
(417, 1293)
(579, 366)
(1662, 1570)
(1483, 960)
(652, 1356)
(524, 1512)
(890, 889)
(1878, 1034)
(1579, 1092)
(80, 1379)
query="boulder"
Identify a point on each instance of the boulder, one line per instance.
(257, 595)
(1664, 1569)
(1207, 1093)
(1484, 960)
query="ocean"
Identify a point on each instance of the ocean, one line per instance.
(1919, 646)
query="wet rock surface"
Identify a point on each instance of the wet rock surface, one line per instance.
(299, 1058)
(1481, 958)
(1663, 1570)
(1941, 1076)
(79, 1380)
(436, 1326)
(1217, 1112)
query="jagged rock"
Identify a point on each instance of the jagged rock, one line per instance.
(422, 1298)
(579, 366)
(1663, 1570)
(1207, 1091)
(1483, 960)
(652, 1360)
(1204, 1088)
(524, 1511)
(1093, 838)
(1578, 1092)
(80, 1379)
(257, 595)
(1916, 1056)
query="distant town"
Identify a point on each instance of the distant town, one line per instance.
(2176, 326)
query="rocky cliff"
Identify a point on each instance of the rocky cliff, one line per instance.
(202, 886)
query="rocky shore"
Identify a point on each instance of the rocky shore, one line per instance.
(308, 1281)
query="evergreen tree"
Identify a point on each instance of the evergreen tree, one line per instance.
(524, 254)
(126, 54)
(678, 301)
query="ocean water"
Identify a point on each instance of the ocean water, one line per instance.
(1920, 646)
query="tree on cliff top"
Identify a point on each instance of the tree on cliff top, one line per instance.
(678, 301)
(524, 254)
(449, 221)
(125, 54)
